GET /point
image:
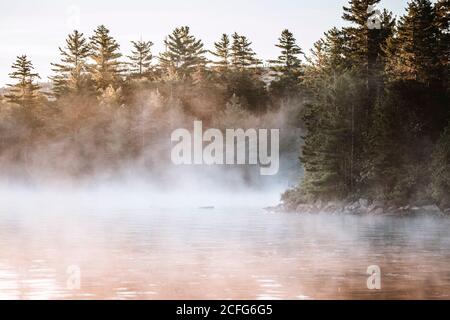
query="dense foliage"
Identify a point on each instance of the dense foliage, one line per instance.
(377, 122)
(372, 99)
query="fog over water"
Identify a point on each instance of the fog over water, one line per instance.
(138, 240)
(144, 228)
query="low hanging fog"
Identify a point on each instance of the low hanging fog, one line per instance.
(115, 155)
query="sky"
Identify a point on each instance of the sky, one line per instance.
(38, 28)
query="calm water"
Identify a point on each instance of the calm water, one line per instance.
(220, 254)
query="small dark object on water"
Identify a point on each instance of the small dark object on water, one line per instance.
(208, 208)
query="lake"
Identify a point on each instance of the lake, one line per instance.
(223, 253)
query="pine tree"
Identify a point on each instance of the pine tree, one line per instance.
(25, 91)
(359, 13)
(105, 52)
(141, 59)
(184, 54)
(288, 63)
(333, 143)
(222, 51)
(442, 21)
(413, 52)
(440, 169)
(365, 39)
(382, 149)
(329, 57)
(242, 55)
(332, 149)
(71, 71)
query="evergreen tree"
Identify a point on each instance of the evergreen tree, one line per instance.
(382, 149)
(25, 91)
(71, 71)
(249, 89)
(222, 51)
(106, 70)
(332, 149)
(141, 58)
(329, 57)
(288, 63)
(440, 169)
(413, 52)
(360, 13)
(334, 118)
(242, 55)
(442, 8)
(366, 37)
(184, 54)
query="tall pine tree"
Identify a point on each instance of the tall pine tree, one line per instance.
(288, 64)
(71, 72)
(141, 59)
(107, 68)
(442, 8)
(25, 91)
(242, 55)
(328, 57)
(222, 52)
(413, 52)
(184, 54)
(366, 37)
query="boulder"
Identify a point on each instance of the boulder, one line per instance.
(329, 208)
(363, 203)
(333, 207)
(304, 208)
(375, 206)
(431, 209)
(377, 211)
(354, 206)
(406, 210)
(391, 210)
(319, 205)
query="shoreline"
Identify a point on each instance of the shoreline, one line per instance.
(362, 207)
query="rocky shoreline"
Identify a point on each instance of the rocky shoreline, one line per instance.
(363, 207)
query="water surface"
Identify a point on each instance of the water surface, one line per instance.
(225, 253)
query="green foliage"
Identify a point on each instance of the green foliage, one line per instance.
(107, 68)
(440, 169)
(413, 52)
(287, 68)
(223, 52)
(249, 89)
(332, 146)
(25, 92)
(141, 59)
(288, 63)
(183, 56)
(358, 35)
(242, 55)
(375, 116)
(71, 74)
(378, 104)
(442, 23)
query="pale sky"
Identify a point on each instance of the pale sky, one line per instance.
(37, 28)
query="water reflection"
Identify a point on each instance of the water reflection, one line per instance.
(220, 254)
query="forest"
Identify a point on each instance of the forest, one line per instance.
(367, 110)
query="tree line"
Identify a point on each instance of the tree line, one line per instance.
(378, 117)
(92, 65)
(103, 106)
(372, 99)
